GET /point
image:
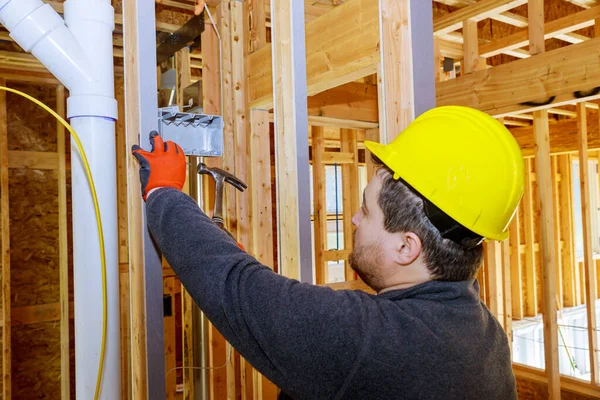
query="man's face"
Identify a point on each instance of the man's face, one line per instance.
(370, 247)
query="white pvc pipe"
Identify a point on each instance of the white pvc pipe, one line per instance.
(80, 56)
(97, 135)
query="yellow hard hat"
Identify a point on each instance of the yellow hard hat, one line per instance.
(464, 162)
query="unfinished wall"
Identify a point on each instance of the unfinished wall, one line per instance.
(34, 235)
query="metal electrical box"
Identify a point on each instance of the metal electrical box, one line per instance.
(197, 134)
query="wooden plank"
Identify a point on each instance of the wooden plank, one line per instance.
(530, 262)
(217, 348)
(353, 101)
(516, 277)
(479, 11)
(351, 196)
(291, 125)
(566, 231)
(320, 205)
(506, 291)
(33, 159)
(63, 249)
(591, 290)
(336, 255)
(544, 202)
(182, 61)
(396, 97)
(258, 25)
(471, 45)
(330, 157)
(5, 248)
(535, 12)
(333, 56)
(570, 23)
(170, 339)
(260, 159)
(556, 228)
(372, 135)
(315, 120)
(547, 80)
(493, 266)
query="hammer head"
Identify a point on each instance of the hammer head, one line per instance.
(221, 175)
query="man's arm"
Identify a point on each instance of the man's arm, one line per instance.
(305, 338)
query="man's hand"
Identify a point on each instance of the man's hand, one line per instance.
(164, 166)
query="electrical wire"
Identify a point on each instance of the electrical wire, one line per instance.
(204, 368)
(98, 221)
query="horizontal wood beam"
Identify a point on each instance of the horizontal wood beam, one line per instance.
(314, 120)
(547, 80)
(352, 101)
(39, 313)
(563, 136)
(334, 255)
(32, 159)
(332, 157)
(334, 56)
(479, 11)
(357, 284)
(570, 23)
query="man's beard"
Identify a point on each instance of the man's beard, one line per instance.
(366, 261)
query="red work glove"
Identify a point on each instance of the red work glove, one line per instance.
(164, 166)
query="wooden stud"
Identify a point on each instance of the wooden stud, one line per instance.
(530, 259)
(351, 202)
(556, 229)
(124, 295)
(471, 45)
(544, 203)
(372, 135)
(5, 248)
(566, 231)
(260, 160)
(516, 274)
(258, 27)
(506, 291)
(63, 250)
(291, 125)
(591, 290)
(170, 340)
(494, 279)
(320, 205)
(535, 11)
(182, 62)
(396, 108)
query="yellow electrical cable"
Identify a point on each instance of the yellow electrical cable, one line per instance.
(98, 221)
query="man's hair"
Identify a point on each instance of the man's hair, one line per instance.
(403, 212)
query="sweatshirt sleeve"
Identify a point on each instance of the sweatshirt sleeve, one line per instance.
(305, 338)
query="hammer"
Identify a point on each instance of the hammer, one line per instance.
(221, 176)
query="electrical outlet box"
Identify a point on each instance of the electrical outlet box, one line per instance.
(197, 134)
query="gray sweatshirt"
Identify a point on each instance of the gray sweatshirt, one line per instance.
(436, 340)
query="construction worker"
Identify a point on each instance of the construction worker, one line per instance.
(451, 180)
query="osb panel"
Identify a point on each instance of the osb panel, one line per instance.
(34, 237)
(171, 15)
(29, 127)
(36, 361)
(529, 390)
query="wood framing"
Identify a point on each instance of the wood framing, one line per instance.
(320, 205)
(63, 251)
(5, 248)
(351, 196)
(545, 205)
(591, 289)
(145, 271)
(546, 80)
(291, 126)
(566, 231)
(333, 56)
(516, 272)
(531, 308)
(476, 12)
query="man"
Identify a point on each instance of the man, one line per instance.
(451, 179)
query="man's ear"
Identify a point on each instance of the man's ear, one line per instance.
(408, 248)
